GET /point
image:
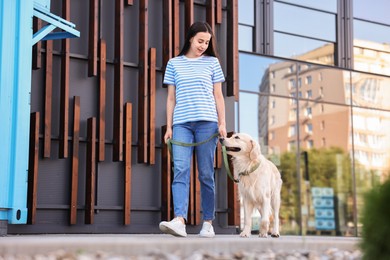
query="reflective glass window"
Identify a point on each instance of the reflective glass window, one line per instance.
(370, 32)
(329, 5)
(325, 84)
(302, 48)
(249, 121)
(263, 74)
(370, 90)
(246, 12)
(377, 10)
(245, 39)
(371, 47)
(305, 22)
(307, 34)
(371, 150)
(329, 168)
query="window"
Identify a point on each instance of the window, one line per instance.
(309, 94)
(299, 39)
(308, 80)
(245, 41)
(292, 130)
(291, 146)
(322, 125)
(293, 101)
(309, 128)
(273, 88)
(308, 111)
(310, 144)
(272, 135)
(323, 142)
(378, 10)
(371, 30)
(272, 121)
(291, 83)
(246, 20)
(293, 114)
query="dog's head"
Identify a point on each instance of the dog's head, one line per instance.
(244, 150)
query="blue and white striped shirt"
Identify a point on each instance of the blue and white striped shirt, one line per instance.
(194, 80)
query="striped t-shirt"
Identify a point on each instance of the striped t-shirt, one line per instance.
(194, 79)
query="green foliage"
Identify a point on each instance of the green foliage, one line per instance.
(376, 223)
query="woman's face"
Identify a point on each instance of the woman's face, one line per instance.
(199, 44)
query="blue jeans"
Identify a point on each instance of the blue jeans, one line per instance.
(194, 132)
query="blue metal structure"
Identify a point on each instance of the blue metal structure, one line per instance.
(16, 40)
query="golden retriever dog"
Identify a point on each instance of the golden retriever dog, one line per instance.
(259, 183)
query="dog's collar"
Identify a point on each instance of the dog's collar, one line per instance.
(254, 168)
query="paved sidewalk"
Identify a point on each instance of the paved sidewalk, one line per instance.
(136, 244)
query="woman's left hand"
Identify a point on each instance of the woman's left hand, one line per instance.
(222, 130)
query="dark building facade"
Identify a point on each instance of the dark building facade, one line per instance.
(308, 79)
(97, 160)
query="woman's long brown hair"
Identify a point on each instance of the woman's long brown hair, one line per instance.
(192, 31)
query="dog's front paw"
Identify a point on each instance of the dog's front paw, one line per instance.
(276, 235)
(245, 234)
(263, 234)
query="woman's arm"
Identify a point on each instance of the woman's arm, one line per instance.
(220, 103)
(171, 102)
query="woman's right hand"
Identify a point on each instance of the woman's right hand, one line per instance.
(168, 134)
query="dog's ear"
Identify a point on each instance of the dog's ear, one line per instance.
(255, 152)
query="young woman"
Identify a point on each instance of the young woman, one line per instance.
(195, 112)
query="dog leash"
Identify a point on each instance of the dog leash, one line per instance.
(224, 154)
(226, 163)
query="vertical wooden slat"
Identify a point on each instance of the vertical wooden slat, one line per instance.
(210, 14)
(48, 99)
(166, 194)
(93, 37)
(218, 156)
(64, 99)
(233, 204)
(33, 168)
(75, 160)
(189, 14)
(191, 202)
(194, 208)
(90, 171)
(152, 106)
(102, 100)
(233, 198)
(176, 27)
(118, 82)
(36, 56)
(143, 83)
(218, 11)
(128, 140)
(196, 183)
(232, 49)
(167, 31)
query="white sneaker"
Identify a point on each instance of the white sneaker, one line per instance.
(207, 230)
(174, 227)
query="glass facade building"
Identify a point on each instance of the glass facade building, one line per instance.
(314, 88)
